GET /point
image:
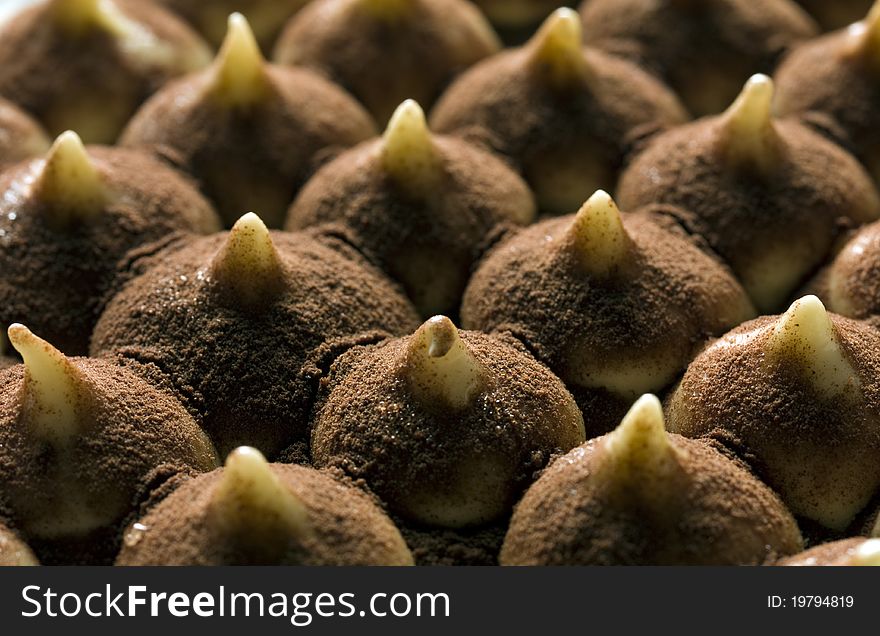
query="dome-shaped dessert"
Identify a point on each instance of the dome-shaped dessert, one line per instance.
(420, 205)
(768, 195)
(68, 218)
(446, 427)
(80, 441)
(641, 496)
(386, 51)
(254, 513)
(233, 318)
(250, 132)
(797, 396)
(86, 65)
(614, 304)
(565, 116)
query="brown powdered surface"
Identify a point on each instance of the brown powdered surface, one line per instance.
(383, 60)
(346, 527)
(239, 367)
(87, 82)
(13, 551)
(836, 91)
(814, 192)
(427, 239)
(704, 49)
(708, 511)
(255, 158)
(817, 452)
(70, 500)
(658, 314)
(21, 137)
(426, 460)
(566, 141)
(469, 547)
(53, 279)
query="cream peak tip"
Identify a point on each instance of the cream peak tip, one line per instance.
(239, 69)
(806, 333)
(79, 15)
(408, 152)
(248, 263)
(751, 135)
(641, 435)
(598, 237)
(442, 366)
(558, 44)
(68, 181)
(249, 488)
(867, 554)
(52, 387)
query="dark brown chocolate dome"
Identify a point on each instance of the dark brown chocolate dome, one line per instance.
(80, 440)
(640, 496)
(386, 51)
(86, 65)
(833, 84)
(615, 305)
(250, 132)
(565, 116)
(422, 206)
(67, 219)
(446, 427)
(232, 319)
(837, 13)
(704, 49)
(768, 195)
(798, 397)
(21, 137)
(255, 513)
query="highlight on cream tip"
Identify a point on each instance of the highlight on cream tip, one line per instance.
(79, 15)
(250, 493)
(408, 152)
(248, 262)
(52, 387)
(597, 235)
(867, 554)
(558, 45)
(751, 135)
(806, 334)
(441, 366)
(239, 70)
(68, 182)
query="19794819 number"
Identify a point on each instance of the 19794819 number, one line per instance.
(807, 600)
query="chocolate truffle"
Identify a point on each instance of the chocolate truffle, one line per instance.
(420, 205)
(254, 513)
(80, 439)
(704, 49)
(833, 84)
(768, 195)
(837, 13)
(386, 51)
(615, 305)
(232, 318)
(86, 65)
(267, 17)
(847, 552)
(850, 284)
(250, 132)
(641, 496)
(20, 136)
(446, 427)
(565, 116)
(13, 551)
(67, 219)
(798, 397)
